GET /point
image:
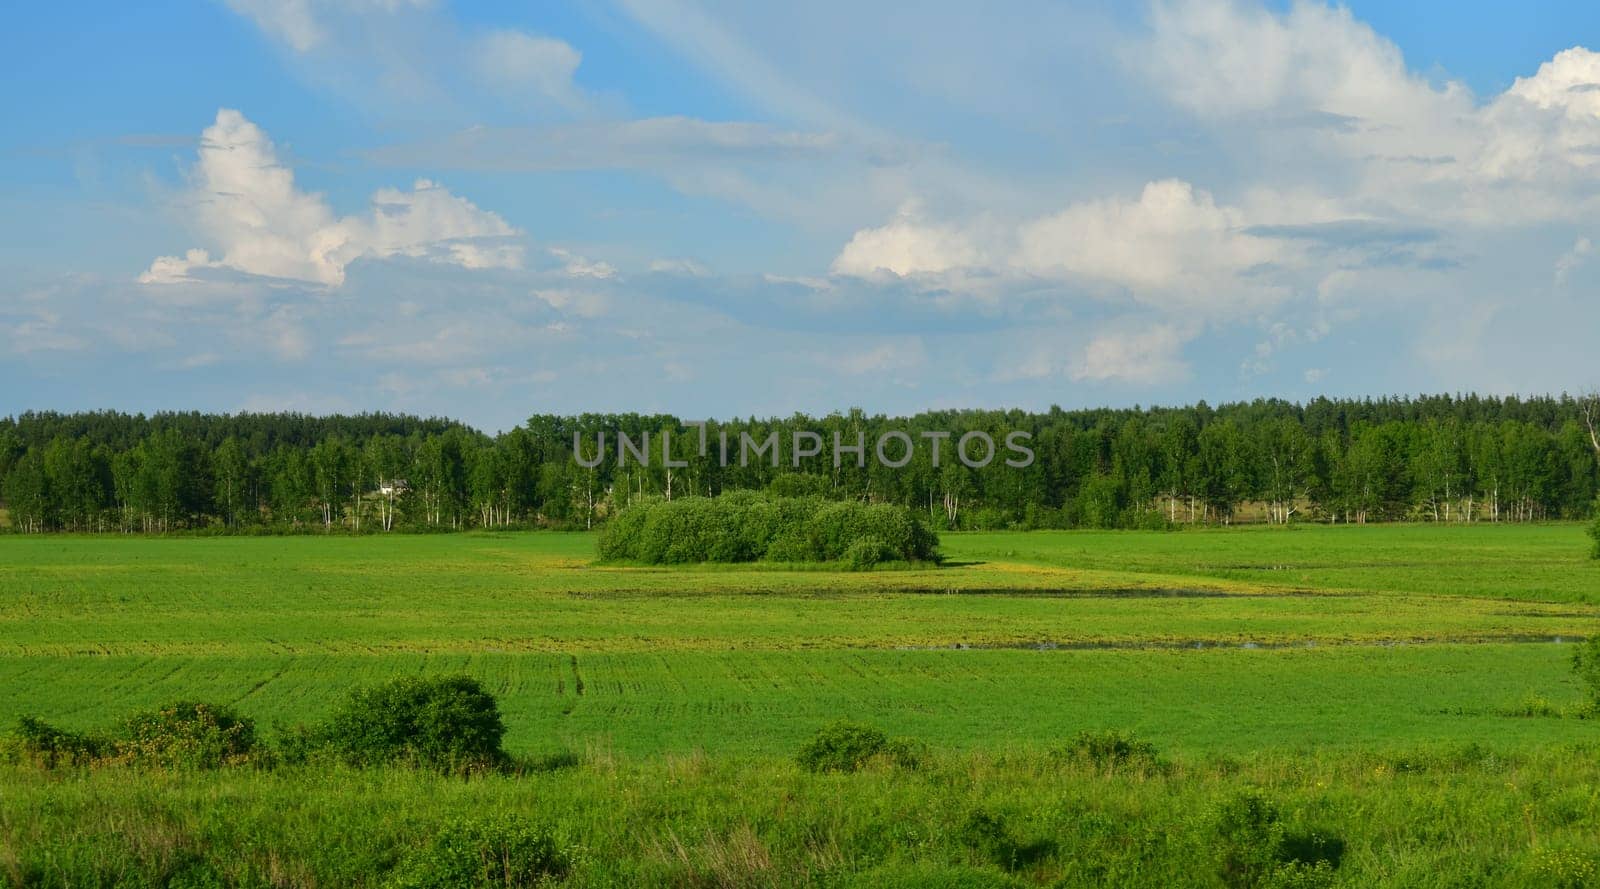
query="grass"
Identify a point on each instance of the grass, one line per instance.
(1316, 664)
(1444, 818)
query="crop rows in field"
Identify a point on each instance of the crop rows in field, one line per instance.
(764, 702)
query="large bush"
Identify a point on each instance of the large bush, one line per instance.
(847, 747)
(448, 723)
(747, 526)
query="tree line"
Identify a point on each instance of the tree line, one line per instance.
(1436, 458)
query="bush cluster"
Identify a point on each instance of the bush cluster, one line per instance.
(747, 526)
(1111, 751)
(1255, 848)
(848, 747)
(187, 734)
(445, 723)
(992, 838)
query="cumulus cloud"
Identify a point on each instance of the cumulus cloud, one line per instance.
(1172, 246)
(246, 203)
(908, 245)
(1146, 357)
(1331, 103)
(1174, 240)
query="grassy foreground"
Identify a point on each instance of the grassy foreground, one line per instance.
(1461, 817)
(1398, 686)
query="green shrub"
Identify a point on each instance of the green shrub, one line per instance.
(448, 723)
(1594, 532)
(49, 746)
(748, 526)
(865, 553)
(847, 747)
(1111, 751)
(988, 835)
(503, 851)
(1254, 848)
(1586, 664)
(188, 734)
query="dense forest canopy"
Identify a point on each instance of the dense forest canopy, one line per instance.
(1432, 458)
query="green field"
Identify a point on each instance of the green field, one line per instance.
(1315, 653)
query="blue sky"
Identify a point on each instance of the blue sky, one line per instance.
(718, 209)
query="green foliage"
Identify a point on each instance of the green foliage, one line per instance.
(929, 876)
(1594, 532)
(447, 723)
(1254, 848)
(990, 837)
(1111, 751)
(1565, 868)
(50, 746)
(866, 553)
(188, 734)
(503, 852)
(183, 735)
(1586, 664)
(848, 747)
(746, 526)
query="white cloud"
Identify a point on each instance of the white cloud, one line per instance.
(579, 303)
(302, 24)
(1174, 245)
(581, 266)
(891, 357)
(284, 335)
(1145, 357)
(907, 246)
(246, 203)
(1573, 260)
(1329, 103)
(525, 64)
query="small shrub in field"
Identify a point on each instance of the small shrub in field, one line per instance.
(847, 747)
(1111, 751)
(188, 734)
(989, 836)
(50, 746)
(1254, 848)
(448, 723)
(1594, 532)
(505, 851)
(1586, 664)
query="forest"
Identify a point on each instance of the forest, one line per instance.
(1441, 458)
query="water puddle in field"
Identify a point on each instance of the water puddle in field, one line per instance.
(1246, 645)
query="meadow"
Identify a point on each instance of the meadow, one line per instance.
(1406, 686)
